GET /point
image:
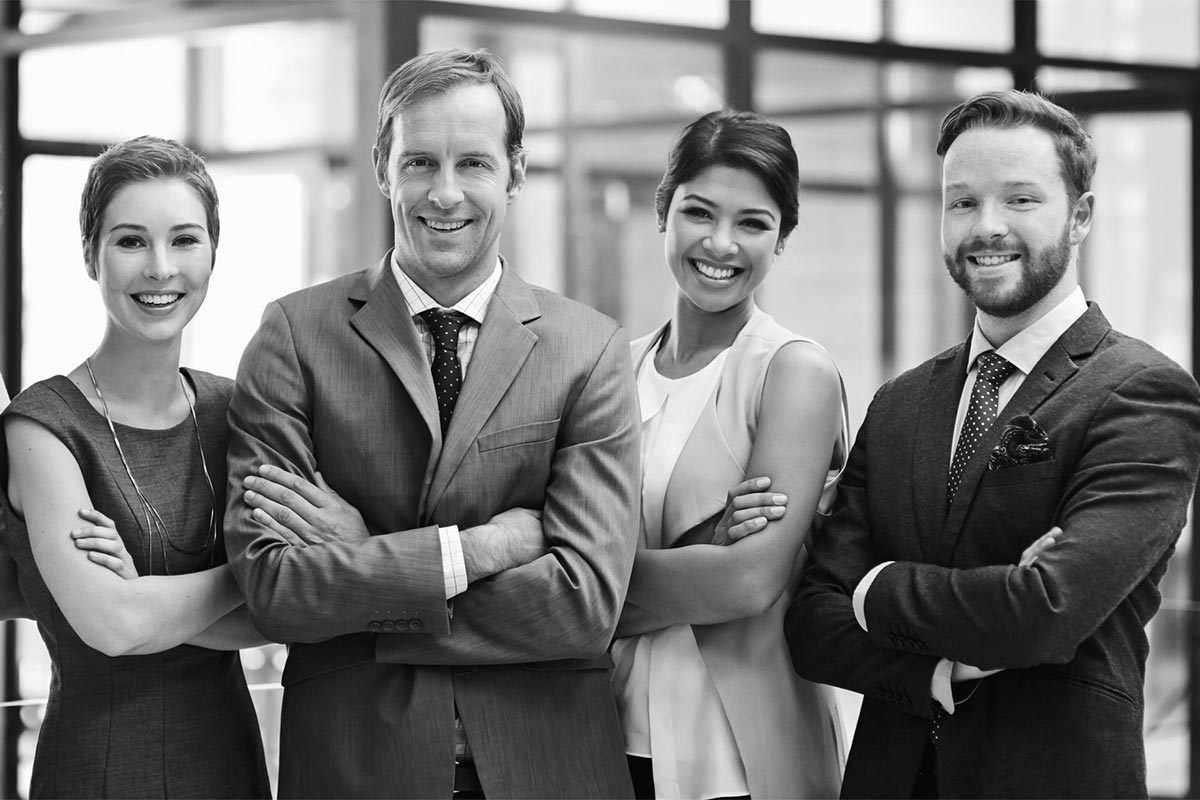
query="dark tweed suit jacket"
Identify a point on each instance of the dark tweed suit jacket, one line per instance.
(336, 380)
(1065, 717)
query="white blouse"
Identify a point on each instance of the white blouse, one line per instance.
(669, 706)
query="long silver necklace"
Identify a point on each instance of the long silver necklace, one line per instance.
(154, 520)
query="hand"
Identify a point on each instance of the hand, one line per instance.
(510, 539)
(1040, 546)
(300, 511)
(103, 544)
(748, 510)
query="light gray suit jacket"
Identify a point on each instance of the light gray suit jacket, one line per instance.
(336, 380)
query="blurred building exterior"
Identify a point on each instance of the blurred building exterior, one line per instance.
(280, 98)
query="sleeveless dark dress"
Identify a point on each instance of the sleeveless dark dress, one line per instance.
(174, 724)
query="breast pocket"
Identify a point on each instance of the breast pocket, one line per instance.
(534, 433)
(1012, 507)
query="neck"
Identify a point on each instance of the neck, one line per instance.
(140, 381)
(999, 330)
(697, 335)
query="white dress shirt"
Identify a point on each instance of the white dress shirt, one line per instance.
(474, 306)
(1023, 351)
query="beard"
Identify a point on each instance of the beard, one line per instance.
(1040, 272)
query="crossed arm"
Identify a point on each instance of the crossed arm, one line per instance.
(561, 604)
(111, 610)
(1123, 507)
(799, 423)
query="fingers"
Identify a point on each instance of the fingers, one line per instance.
(111, 562)
(748, 486)
(284, 487)
(276, 516)
(766, 513)
(96, 531)
(1043, 543)
(263, 518)
(744, 529)
(96, 518)
(97, 544)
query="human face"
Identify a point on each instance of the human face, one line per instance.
(722, 237)
(449, 182)
(1009, 230)
(154, 259)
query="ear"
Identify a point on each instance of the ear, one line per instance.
(1081, 218)
(381, 171)
(516, 180)
(780, 245)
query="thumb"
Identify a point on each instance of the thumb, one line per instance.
(321, 484)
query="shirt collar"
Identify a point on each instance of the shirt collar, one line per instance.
(474, 305)
(1027, 348)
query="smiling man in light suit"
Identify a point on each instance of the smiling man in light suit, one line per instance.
(487, 432)
(1009, 506)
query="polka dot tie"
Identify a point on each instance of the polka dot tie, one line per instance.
(993, 370)
(447, 369)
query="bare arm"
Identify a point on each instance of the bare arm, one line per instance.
(115, 616)
(799, 422)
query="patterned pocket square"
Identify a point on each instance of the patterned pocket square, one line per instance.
(1022, 442)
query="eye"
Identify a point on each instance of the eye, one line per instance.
(475, 163)
(186, 240)
(1023, 200)
(695, 212)
(417, 163)
(962, 204)
(755, 224)
(129, 242)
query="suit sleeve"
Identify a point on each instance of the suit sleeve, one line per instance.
(311, 593)
(565, 604)
(1124, 506)
(826, 643)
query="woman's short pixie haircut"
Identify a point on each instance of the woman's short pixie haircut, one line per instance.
(145, 158)
(1017, 109)
(741, 140)
(440, 71)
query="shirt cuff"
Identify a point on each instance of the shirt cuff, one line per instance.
(860, 594)
(941, 688)
(454, 569)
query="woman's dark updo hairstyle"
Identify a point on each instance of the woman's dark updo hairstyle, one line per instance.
(741, 140)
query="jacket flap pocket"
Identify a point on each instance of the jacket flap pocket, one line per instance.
(521, 434)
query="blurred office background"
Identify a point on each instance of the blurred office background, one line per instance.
(280, 98)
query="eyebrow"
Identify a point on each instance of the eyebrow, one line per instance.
(1007, 185)
(134, 226)
(702, 199)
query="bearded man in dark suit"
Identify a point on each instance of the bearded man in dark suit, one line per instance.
(1009, 506)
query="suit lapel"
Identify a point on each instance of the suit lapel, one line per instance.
(931, 451)
(503, 345)
(384, 323)
(1052, 371)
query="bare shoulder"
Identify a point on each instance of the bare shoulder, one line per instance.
(804, 364)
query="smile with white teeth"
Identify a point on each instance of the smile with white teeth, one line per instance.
(444, 226)
(157, 299)
(994, 261)
(714, 272)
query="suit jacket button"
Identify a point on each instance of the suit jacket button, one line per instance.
(402, 625)
(389, 625)
(414, 625)
(374, 626)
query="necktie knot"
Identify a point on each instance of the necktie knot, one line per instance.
(444, 326)
(994, 368)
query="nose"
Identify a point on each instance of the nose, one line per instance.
(445, 192)
(990, 222)
(159, 264)
(721, 242)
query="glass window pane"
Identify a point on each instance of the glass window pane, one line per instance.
(826, 286)
(144, 91)
(1053, 80)
(837, 148)
(975, 25)
(1165, 31)
(533, 59)
(787, 81)
(704, 13)
(533, 232)
(54, 285)
(298, 75)
(857, 20)
(536, 5)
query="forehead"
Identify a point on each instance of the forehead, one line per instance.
(469, 117)
(724, 185)
(1003, 155)
(163, 199)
